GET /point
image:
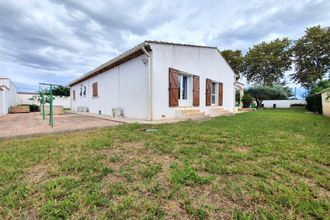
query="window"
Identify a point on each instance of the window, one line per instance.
(81, 91)
(183, 87)
(95, 90)
(74, 94)
(213, 93)
(84, 90)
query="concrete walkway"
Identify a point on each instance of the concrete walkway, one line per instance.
(139, 121)
(30, 124)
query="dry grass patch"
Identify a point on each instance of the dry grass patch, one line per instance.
(242, 149)
(35, 174)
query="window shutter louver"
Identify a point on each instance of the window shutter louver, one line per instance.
(95, 90)
(220, 94)
(208, 92)
(196, 89)
(173, 89)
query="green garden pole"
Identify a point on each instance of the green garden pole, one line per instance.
(51, 119)
(43, 106)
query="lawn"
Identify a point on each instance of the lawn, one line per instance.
(265, 164)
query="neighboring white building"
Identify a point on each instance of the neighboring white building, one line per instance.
(7, 95)
(282, 103)
(325, 97)
(26, 98)
(158, 80)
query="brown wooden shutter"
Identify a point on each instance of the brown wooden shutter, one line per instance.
(220, 94)
(208, 92)
(74, 94)
(196, 90)
(173, 88)
(95, 90)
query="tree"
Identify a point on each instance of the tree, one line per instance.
(61, 91)
(45, 93)
(57, 91)
(312, 56)
(261, 93)
(265, 63)
(247, 100)
(235, 60)
(288, 91)
(321, 85)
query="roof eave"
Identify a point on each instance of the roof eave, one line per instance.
(114, 60)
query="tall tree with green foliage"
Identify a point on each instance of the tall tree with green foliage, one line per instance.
(235, 60)
(57, 91)
(312, 56)
(265, 63)
(318, 87)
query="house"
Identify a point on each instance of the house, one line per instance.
(325, 97)
(158, 80)
(7, 95)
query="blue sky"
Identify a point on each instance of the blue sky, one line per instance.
(58, 41)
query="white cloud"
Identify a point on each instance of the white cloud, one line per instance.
(59, 40)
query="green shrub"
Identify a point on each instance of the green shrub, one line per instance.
(294, 105)
(34, 108)
(247, 100)
(314, 103)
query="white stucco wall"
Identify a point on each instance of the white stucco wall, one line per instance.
(9, 95)
(125, 86)
(25, 98)
(282, 103)
(2, 102)
(326, 103)
(205, 62)
(63, 101)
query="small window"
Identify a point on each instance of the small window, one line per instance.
(74, 94)
(95, 90)
(84, 90)
(213, 93)
(81, 91)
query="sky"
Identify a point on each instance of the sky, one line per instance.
(57, 41)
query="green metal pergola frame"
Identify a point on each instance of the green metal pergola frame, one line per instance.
(51, 113)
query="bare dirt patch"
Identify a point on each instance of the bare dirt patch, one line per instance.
(111, 178)
(35, 174)
(31, 214)
(175, 211)
(134, 144)
(242, 149)
(299, 136)
(323, 192)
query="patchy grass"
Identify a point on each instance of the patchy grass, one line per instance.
(267, 164)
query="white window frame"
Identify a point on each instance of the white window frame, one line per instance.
(215, 94)
(188, 100)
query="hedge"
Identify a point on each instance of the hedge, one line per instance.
(314, 103)
(33, 107)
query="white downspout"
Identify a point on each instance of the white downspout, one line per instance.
(149, 84)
